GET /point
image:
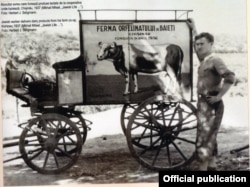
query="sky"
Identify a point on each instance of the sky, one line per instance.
(215, 16)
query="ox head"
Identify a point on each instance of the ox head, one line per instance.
(107, 50)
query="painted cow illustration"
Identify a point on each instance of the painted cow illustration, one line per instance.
(144, 59)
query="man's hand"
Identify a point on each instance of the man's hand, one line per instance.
(213, 99)
(191, 25)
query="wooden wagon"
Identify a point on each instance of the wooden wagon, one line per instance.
(157, 124)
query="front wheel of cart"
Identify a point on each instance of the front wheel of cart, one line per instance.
(46, 135)
(161, 133)
(80, 123)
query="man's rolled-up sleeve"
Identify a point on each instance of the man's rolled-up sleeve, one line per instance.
(228, 75)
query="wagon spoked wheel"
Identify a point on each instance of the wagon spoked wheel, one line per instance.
(46, 135)
(161, 133)
(79, 121)
(127, 111)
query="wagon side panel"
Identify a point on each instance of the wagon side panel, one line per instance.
(106, 80)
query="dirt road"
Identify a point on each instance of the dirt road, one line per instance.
(106, 158)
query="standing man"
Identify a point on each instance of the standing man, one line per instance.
(214, 80)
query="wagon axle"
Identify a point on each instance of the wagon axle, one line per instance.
(50, 144)
(166, 133)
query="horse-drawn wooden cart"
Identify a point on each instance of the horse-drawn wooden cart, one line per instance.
(141, 62)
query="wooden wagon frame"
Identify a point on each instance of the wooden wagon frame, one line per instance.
(156, 124)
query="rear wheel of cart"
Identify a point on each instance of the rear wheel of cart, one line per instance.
(127, 111)
(46, 135)
(161, 133)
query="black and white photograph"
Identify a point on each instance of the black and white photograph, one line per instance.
(115, 92)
